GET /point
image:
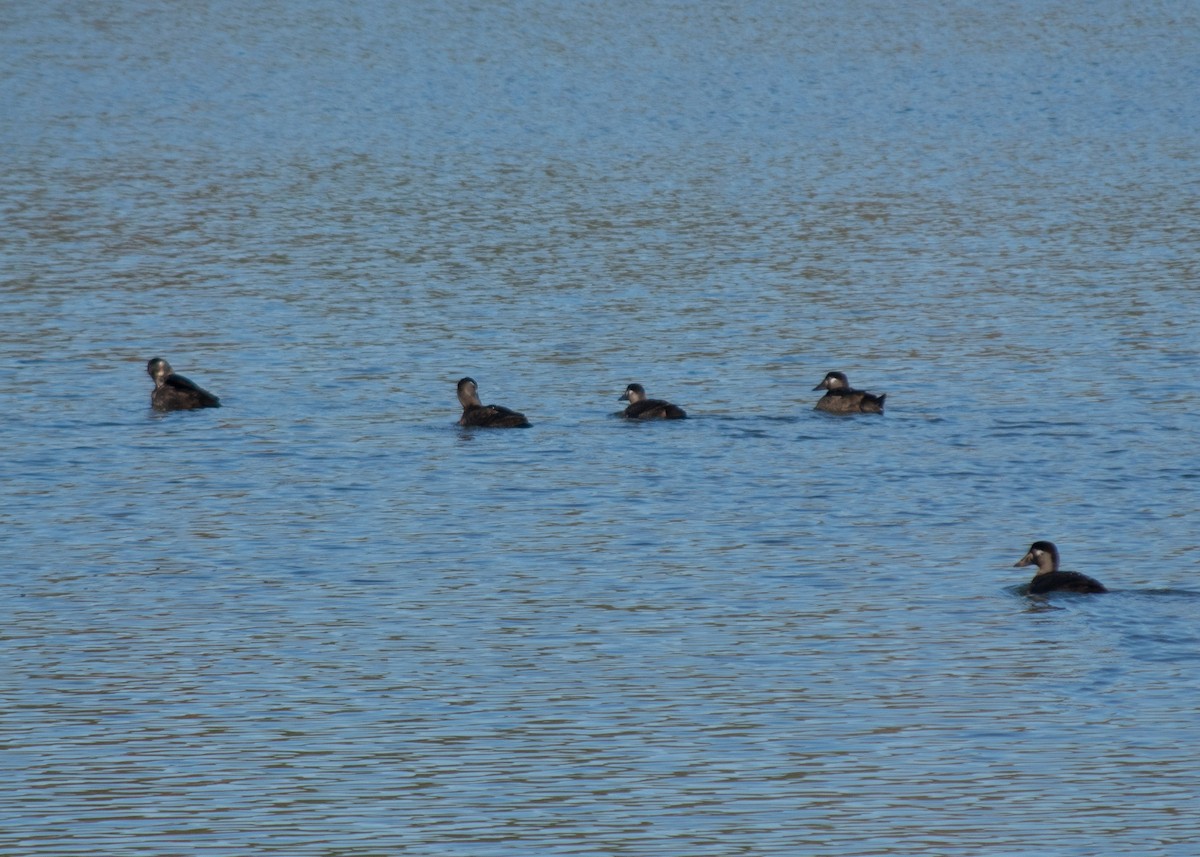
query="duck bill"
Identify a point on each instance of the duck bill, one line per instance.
(624, 398)
(1025, 560)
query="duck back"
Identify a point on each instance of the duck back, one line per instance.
(177, 393)
(654, 409)
(851, 402)
(1064, 581)
(492, 416)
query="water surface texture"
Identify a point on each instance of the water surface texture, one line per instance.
(323, 620)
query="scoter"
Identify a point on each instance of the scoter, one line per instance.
(1048, 578)
(174, 392)
(479, 415)
(641, 408)
(841, 398)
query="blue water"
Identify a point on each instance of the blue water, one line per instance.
(324, 620)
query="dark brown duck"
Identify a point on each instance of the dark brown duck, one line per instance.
(641, 408)
(479, 415)
(841, 398)
(1048, 578)
(174, 392)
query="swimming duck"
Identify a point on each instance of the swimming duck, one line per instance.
(641, 408)
(174, 392)
(485, 416)
(841, 398)
(1048, 578)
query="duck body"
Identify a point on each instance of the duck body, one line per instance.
(1064, 581)
(841, 398)
(478, 415)
(641, 408)
(174, 392)
(492, 416)
(1049, 578)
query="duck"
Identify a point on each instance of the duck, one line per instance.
(1048, 578)
(479, 415)
(641, 408)
(841, 398)
(174, 392)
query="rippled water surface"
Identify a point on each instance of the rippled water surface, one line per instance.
(323, 620)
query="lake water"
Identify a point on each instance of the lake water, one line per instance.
(324, 620)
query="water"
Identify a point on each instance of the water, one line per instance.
(323, 620)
